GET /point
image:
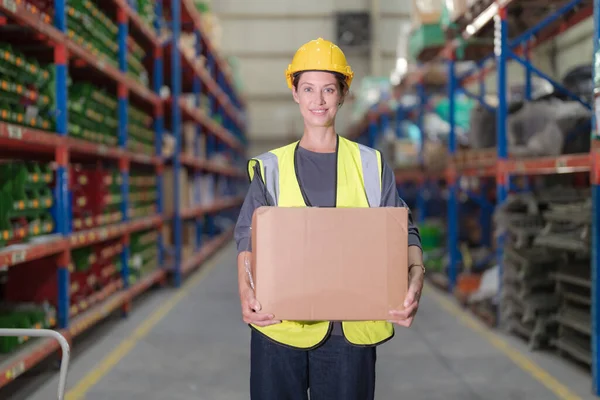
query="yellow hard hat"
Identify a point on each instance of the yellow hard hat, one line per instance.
(319, 55)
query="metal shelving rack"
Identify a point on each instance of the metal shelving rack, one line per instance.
(63, 149)
(544, 22)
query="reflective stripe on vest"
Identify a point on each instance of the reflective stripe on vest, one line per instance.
(359, 173)
(371, 172)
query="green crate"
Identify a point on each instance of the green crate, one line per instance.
(426, 37)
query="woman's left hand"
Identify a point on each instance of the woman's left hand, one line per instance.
(411, 302)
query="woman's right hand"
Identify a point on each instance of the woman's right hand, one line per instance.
(251, 308)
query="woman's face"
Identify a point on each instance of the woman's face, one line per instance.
(318, 95)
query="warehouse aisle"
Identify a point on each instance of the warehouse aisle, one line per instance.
(192, 344)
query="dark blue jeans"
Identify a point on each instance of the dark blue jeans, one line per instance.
(336, 370)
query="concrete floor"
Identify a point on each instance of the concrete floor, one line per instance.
(199, 350)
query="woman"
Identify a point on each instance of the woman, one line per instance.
(334, 360)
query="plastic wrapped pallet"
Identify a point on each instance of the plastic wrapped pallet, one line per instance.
(435, 156)
(567, 235)
(528, 291)
(539, 128)
(482, 130)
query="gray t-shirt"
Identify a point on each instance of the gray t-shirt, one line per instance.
(317, 177)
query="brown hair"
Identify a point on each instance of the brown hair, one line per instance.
(341, 80)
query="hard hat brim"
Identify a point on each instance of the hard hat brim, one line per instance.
(346, 72)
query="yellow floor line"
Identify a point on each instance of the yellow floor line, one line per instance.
(112, 359)
(525, 363)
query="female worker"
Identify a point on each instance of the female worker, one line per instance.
(334, 360)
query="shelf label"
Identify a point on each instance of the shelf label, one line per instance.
(10, 5)
(15, 371)
(102, 149)
(18, 257)
(560, 162)
(15, 132)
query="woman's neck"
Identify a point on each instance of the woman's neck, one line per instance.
(319, 140)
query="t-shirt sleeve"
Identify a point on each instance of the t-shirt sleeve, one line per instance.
(255, 197)
(390, 198)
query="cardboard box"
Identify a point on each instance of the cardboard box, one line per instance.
(169, 187)
(335, 264)
(426, 12)
(456, 8)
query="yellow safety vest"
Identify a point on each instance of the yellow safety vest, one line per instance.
(358, 182)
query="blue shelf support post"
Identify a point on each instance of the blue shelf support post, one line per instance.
(452, 181)
(528, 73)
(595, 180)
(123, 101)
(157, 83)
(211, 142)
(62, 214)
(501, 51)
(197, 88)
(176, 128)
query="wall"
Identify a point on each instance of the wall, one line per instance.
(264, 35)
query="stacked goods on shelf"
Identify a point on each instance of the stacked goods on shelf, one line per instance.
(186, 197)
(549, 128)
(93, 275)
(210, 22)
(452, 10)
(42, 9)
(93, 114)
(549, 125)
(193, 144)
(140, 135)
(26, 90)
(93, 269)
(142, 195)
(24, 315)
(427, 35)
(145, 9)
(187, 45)
(546, 280)
(194, 191)
(567, 232)
(135, 62)
(25, 201)
(92, 29)
(143, 254)
(96, 198)
(528, 291)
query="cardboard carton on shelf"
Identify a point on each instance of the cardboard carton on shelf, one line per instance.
(169, 187)
(335, 264)
(427, 12)
(454, 9)
(193, 142)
